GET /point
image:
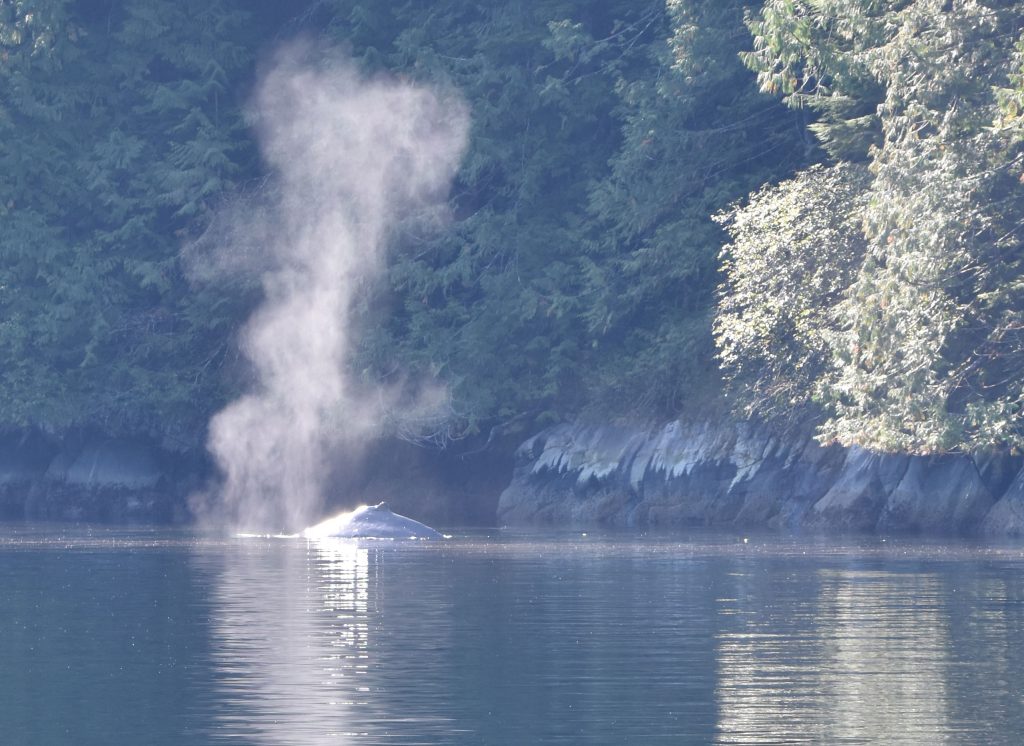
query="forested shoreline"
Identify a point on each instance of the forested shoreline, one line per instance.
(803, 212)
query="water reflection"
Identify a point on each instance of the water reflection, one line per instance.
(291, 633)
(766, 670)
(344, 573)
(472, 642)
(885, 664)
(865, 660)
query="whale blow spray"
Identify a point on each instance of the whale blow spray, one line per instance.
(349, 157)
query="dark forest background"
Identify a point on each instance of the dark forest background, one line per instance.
(802, 211)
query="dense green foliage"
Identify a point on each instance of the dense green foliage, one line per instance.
(696, 137)
(118, 135)
(921, 349)
(581, 272)
(796, 248)
(862, 159)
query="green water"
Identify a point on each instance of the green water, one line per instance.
(152, 637)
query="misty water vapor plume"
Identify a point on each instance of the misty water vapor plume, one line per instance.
(349, 158)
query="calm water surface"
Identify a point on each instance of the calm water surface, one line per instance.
(156, 637)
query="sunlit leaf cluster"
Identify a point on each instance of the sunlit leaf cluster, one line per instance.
(921, 350)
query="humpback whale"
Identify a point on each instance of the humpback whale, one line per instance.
(371, 522)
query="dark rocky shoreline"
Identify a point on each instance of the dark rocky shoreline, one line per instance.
(94, 478)
(731, 474)
(746, 476)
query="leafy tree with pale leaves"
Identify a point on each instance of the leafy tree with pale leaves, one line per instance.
(925, 343)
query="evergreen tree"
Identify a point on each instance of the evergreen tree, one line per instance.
(492, 308)
(697, 135)
(580, 269)
(120, 132)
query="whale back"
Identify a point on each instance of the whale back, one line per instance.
(371, 522)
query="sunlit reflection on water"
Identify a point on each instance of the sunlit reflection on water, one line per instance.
(291, 631)
(302, 651)
(865, 661)
(114, 637)
(344, 575)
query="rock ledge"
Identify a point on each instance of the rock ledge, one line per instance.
(744, 475)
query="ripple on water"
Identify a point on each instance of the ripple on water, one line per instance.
(130, 636)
